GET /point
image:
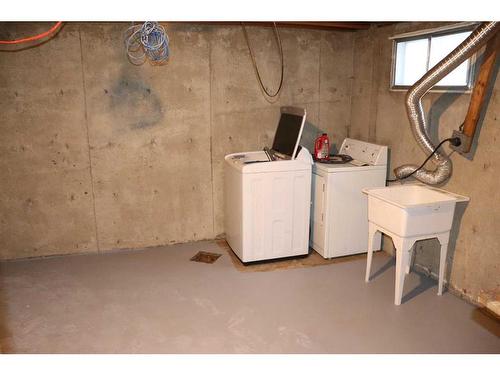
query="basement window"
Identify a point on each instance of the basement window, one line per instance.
(416, 53)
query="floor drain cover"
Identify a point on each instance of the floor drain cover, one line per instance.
(205, 257)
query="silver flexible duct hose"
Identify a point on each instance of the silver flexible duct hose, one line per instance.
(414, 109)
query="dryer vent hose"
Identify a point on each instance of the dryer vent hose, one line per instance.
(419, 126)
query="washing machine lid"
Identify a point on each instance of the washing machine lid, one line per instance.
(289, 131)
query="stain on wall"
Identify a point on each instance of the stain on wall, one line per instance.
(99, 154)
(379, 115)
(149, 138)
(134, 105)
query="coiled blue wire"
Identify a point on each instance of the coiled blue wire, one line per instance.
(149, 40)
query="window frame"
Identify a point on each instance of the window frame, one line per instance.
(428, 34)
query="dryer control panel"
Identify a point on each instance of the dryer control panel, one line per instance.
(364, 152)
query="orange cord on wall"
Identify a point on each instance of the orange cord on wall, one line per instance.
(34, 37)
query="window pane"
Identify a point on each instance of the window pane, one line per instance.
(411, 61)
(440, 47)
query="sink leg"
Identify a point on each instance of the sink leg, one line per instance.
(402, 254)
(410, 256)
(443, 240)
(371, 244)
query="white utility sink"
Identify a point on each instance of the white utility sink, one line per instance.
(409, 213)
(412, 210)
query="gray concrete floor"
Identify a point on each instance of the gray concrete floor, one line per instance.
(157, 301)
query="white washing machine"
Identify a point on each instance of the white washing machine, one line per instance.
(339, 214)
(267, 195)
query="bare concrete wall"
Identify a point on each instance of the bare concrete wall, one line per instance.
(45, 191)
(379, 115)
(98, 154)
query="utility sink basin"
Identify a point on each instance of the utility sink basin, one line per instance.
(413, 209)
(409, 213)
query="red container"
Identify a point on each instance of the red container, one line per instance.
(322, 147)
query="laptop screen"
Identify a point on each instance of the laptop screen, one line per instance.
(288, 134)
